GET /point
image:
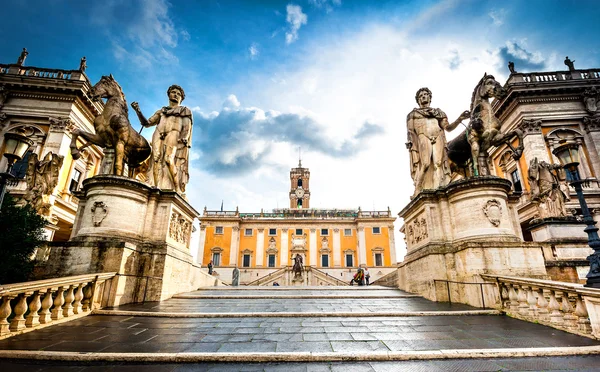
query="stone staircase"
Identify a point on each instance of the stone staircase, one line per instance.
(310, 276)
(299, 328)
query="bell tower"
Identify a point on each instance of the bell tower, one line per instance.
(299, 187)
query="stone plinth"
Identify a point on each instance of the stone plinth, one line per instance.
(557, 229)
(138, 231)
(461, 231)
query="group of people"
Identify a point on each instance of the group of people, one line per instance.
(361, 277)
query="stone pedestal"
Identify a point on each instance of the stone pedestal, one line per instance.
(461, 231)
(557, 229)
(140, 232)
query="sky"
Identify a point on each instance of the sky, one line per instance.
(336, 78)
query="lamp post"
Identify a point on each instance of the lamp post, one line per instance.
(567, 153)
(15, 146)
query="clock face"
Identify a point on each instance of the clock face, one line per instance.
(299, 192)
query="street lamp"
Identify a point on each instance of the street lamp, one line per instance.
(567, 153)
(15, 146)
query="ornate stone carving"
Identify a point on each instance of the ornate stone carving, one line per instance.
(336, 230)
(272, 243)
(99, 211)
(3, 118)
(324, 242)
(549, 189)
(284, 230)
(591, 124)
(179, 228)
(531, 126)
(235, 228)
(417, 231)
(591, 100)
(61, 125)
(42, 178)
(3, 94)
(493, 211)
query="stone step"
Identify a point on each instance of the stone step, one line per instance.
(283, 296)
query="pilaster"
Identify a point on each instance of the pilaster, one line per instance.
(533, 140)
(362, 247)
(284, 243)
(392, 245)
(202, 241)
(235, 246)
(260, 248)
(337, 247)
(312, 247)
(592, 132)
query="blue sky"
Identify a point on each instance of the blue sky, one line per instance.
(336, 77)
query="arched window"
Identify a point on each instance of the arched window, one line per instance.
(299, 182)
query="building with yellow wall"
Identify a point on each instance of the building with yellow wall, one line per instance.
(333, 243)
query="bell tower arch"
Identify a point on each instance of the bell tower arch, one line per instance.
(299, 187)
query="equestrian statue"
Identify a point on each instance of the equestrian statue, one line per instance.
(113, 129)
(483, 131)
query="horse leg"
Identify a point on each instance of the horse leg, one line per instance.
(91, 138)
(119, 155)
(475, 157)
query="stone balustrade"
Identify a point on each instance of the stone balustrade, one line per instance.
(41, 72)
(567, 306)
(31, 304)
(548, 77)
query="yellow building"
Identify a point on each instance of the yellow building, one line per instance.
(332, 242)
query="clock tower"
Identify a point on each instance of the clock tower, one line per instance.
(299, 190)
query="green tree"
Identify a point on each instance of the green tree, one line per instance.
(21, 232)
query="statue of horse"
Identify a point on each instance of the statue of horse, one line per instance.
(113, 129)
(298, 265)
(483, 130)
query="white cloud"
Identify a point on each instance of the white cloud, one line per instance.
(295, 18)
(253, 50)
(325, 4)
(498, 16)
(185, 35)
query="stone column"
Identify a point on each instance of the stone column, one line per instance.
(312, 248)
(392, 245)
(592, 131)
(533, 141)
(362, 247)
(235, 246)
(201, 243)
(260, 248)
(283, 258)
(58, 139)
(337, 254)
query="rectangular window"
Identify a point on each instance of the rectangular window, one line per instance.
(325, 260)
(347, 232)
(516, 180)
(271, 260)
(299, 231)
(376, 230)
(216, 259)
(218, 229)
(272, 231)
(378, 259)
(75, 179)
(247, 232)
(349, 259)
(324, 232)
(246, 260)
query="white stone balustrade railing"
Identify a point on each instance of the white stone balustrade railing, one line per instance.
(31, 304)
(548, 77)
(567, 306)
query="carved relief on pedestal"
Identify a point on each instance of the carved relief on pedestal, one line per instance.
(531, 126)
(417, 231)
(493, 211)
(549, 189)
(42, 178)
(99, 211)
(179, 228)
(591, 124)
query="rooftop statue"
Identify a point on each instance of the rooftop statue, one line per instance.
(171, 141)
(113, 129)
(483, 130)
(429, 166)
(22, 57)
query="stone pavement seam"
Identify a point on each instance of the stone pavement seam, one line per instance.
(285, 297)
(298, 356)
(295, 314)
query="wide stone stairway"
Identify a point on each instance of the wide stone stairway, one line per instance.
(297, 329)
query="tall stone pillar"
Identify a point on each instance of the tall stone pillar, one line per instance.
(201, 243)
(260, 248)
(592, 130)
(392, 244)
(235, 246)
(284, 243)
(312, 247)
(58, 139)
(533, 141)
(362, 247)
(337, 246)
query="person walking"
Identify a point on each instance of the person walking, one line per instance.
(367, 275)
(358, 277)
(210, 268)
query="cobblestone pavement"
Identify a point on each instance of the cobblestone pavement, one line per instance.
(578, 363)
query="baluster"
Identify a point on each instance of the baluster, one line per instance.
(542, 304)
(57, 311)
(68, 305)
(570, 320)
(512, 295)
(18, 322)
(5, 312)
(554, 307)
(33, 319)
(87, 297)
(532, 302)
(45, 315)
(583, 323)
(523, 306)
(504, 296)
(77, 308)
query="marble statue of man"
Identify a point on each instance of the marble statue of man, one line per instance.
(429, 166)
(235, 277)
(171, 141)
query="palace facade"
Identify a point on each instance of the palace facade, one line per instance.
(332, 242)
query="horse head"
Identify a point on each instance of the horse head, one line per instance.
(107, 87)
(490, 88)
